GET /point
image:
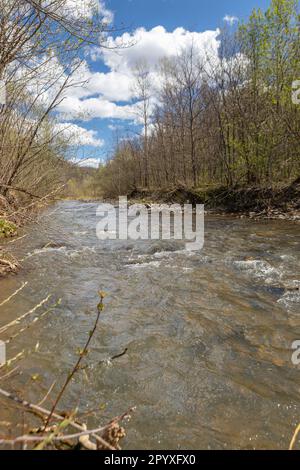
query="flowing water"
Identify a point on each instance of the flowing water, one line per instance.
(209, 334)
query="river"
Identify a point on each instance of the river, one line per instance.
(209, 333)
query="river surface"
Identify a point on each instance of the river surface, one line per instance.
(209, 333)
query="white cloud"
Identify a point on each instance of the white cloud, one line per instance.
(86, 9)
(230, 19)
(113, 86)
(107, 14)
(89, 162)
(99, 96)
(154, 45)
(79, 135)
(74, 108)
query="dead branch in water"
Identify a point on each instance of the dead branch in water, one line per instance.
(111, 428)
(18, 239)
(9, 374)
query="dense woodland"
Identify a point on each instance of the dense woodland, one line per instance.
(230, 122)
(213, 121)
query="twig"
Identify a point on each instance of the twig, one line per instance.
(43, 411)
(53, 439)
(17, 320)
(47, 394)
(35, 320)
(100, 308)
(119, 355)
(293, 441)
(14, 359)
(14, 294)
(9, 373)
(19, 238)
(14, 188)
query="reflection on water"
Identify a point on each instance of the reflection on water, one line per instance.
(208, 333)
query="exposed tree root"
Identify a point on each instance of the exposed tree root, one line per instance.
(256, 202)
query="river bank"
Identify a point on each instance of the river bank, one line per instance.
(254, 202)
(8, 229)
(281, 203)
(16, 213)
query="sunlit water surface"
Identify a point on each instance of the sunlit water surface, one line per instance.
(208, 333)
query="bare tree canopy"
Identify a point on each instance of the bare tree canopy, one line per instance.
(220, 121)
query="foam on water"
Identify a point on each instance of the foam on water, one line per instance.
(260, 270)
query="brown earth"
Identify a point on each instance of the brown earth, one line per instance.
(255, 202)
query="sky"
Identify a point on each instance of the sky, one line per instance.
(105, 108)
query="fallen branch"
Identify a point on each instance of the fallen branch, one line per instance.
(46, 413)
(8, 363)
(19, 238)
(67, 437)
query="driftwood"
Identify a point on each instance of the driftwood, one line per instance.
(112, 431)
(7, 266)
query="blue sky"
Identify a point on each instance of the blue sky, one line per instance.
(107, 103)
(195, 15)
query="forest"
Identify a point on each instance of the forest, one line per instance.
(41, 50)
(230, 122)
(208, 120)
(113, 339)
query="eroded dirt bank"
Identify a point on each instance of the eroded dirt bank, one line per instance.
(255, 202)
